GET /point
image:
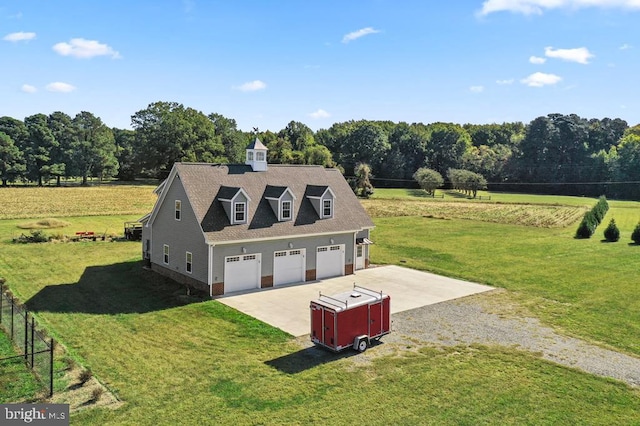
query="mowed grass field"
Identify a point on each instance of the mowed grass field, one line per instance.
(172, 362)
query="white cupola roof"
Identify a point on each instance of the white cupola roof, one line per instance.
(257, 156)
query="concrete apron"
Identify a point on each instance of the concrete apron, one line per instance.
(287, 307)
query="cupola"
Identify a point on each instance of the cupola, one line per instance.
(257, 156)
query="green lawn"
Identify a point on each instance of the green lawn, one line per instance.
(17, 383)
(204, 363)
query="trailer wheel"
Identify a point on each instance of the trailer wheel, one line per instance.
(362, 345)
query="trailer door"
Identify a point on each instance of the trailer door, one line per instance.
(329, 336)
(375, 319)
(316, 322)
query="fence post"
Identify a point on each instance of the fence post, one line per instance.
(33, 328)
(26, 336)
(51, 369)
(12, 306)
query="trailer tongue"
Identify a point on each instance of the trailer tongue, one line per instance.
(350, 319)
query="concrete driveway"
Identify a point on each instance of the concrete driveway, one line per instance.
(287, 307)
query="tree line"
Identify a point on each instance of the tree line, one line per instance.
(556, 153)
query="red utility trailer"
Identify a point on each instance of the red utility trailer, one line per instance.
(350, 319)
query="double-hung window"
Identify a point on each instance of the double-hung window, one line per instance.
(165, 254)
(327, 208)
(240, 212)
(178, 209)
(189, 262)
(286, 210)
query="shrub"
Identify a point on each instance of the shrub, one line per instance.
(635, 235)
(96, 393)
(584, 230)
(85, 376)
(612, 233)
(592, 218)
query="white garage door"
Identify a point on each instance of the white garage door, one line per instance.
(288, 266)
(241, 272)
(329, 261)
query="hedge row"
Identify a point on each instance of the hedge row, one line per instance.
(592, 218)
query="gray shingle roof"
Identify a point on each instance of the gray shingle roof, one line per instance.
(203, 182)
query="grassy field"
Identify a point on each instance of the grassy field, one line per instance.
(175, 362)
(16, 381)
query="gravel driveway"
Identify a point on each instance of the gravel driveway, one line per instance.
(471, 320)
(466, 321)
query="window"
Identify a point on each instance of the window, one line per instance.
(259, 156)
(286, 210)
(178, 209)
(188, 259)
(326, 208)
(165, 252)
(249, 155)
(240, 213)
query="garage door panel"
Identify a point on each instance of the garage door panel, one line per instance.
(288, 267)
(242, 272)
(330, 261)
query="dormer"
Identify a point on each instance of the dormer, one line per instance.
(256, 156)
(281, 200)
(322, 199)
(235, 203)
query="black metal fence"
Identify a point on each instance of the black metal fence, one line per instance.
(35, 348)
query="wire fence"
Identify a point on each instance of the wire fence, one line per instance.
(34, 347)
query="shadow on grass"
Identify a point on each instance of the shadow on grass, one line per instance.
(121, 288)
(311, 357)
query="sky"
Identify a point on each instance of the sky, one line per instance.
(266, 63)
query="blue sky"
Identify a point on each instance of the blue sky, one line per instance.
(265, 63)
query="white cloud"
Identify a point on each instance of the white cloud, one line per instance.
(625, 46)
(580, 55)
(357, 34)
(81, 48)
(60, 87)
(320, 113)
(251, 86)
(537, 60)
(27, 88)
(19, 36)
(537, 7)
(540, 79)
(505, 82)
(476, 89)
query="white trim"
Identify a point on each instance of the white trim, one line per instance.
(285, 237)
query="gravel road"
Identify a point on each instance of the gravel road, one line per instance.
(466, 321)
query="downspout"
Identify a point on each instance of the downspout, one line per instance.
(355, 252)
(210, 268)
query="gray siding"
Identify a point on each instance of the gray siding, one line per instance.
(267, 248)
(181, 236)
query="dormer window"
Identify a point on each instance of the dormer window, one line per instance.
(235, 203)
(286, 210)
(322, 198)
(240, 212)
(281, 200)
(327, 208)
